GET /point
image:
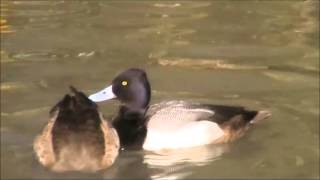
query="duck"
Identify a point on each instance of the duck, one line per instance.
(77, 137)
(171, 124)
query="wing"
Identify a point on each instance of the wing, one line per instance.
(43, 146)
(172, 115)
(177, 113)
(173, 124)
(112, 143)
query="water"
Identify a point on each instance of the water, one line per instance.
(261, 54)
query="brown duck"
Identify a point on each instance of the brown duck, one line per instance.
(77, 137)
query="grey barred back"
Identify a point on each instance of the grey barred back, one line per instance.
(172, 115)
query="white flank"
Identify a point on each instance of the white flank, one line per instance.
(191, 134)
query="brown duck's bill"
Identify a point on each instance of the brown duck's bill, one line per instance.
(103, 95)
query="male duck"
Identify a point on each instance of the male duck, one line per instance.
(173, 124)
(77, 138)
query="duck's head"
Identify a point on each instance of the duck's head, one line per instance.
(130, 87)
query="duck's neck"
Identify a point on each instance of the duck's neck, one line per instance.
(131, 127)
(132, 112)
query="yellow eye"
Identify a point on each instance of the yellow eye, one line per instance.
(124, 83)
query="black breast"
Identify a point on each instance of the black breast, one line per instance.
(131, 128)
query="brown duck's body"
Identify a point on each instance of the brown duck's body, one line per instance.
(77, 138)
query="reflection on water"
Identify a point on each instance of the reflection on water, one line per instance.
(4, 25)
(261, 54)
(177, 160)
(197, 155)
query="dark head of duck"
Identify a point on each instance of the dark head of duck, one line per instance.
(133, 90)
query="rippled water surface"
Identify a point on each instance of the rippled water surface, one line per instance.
(261, 54)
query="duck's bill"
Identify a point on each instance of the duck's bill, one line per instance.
(103, 95)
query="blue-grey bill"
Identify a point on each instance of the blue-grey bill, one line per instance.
(103, 95)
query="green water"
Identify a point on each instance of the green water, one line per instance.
(260, 54)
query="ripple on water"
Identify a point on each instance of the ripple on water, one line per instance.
(47, 14)
(290, 77)
(4, 26)
(181, 4)
(26, 112)
(45, 55)
(162, 23)
(206, 64)
(13, 86)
